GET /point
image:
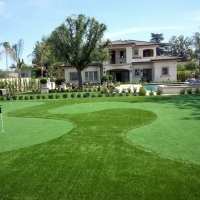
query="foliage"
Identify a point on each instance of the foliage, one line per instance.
(104, 78)
(190, 65)
(158, 92)
(182, 91)
(157, 38)
(104, 90)
(110, 77)
(182, 47)
(197, 91)
(142, 91)
(151, 93)
(189, 90)
(78, 42)
(183, 75)
(196, 43)
(59, 81)
(73, 95)
(65, 96)
(43, 81)
(79, 95)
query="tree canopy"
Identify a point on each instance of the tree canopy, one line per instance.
(196, 43)
(78, 42)
(181, 46)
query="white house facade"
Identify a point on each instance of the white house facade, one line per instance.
(130, 60)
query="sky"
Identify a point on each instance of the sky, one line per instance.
(29, 20)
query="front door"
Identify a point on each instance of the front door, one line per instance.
(147, 74)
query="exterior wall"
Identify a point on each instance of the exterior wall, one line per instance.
(140, 67)
(69, 70)
(129, 54)
(172, 71)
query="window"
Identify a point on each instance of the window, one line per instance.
(122, 54)
(91, 76)
(74, 76)
(135, 52)
(137, 72)
(165, 71)
(148, 53)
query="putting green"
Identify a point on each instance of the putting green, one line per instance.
(87, 107)
(24, 132)
(175, 133)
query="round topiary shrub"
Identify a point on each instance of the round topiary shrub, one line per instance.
(38, 96)
(73, 95)
(84, 95)
(99, 95)
(121, 94)
(26, 98)
(21, 97)
(79, 95)
(14, 97)
(43, 97)
(142, 91)
(50, 96)
(31, 97)
(64, 96)
(93, 95)
(57, 96)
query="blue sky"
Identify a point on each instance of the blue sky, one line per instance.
(129, 19)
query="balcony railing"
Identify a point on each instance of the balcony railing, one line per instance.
(118, 60)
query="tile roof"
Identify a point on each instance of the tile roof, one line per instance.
(156, 58)
(95, 64)
(133, 42)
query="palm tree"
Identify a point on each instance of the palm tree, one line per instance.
(15, 53)
(6, 47)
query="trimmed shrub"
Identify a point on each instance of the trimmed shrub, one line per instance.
(57, 96)
(65, 96)
(99, 95)
(21, 97)
(197, 91)
(113, 94)
(38, 96)
(127, 94)
(73, 95)
(158, 92)
(129, 90)
(43, 97)
(182, 91)
(151, 92)
(84, 95)
(93, 95)
(14, 97)
(104, 90)
(107, 94)
(123, 90)
(189, 90)
(142, 92)
(31, 97)
(120, 94)
(26, 98)
(79, 95)
(50, 96)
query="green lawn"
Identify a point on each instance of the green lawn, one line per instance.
(114, 148)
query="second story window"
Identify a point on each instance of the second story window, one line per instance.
(135, 52)
(148, 53)
(122, 54)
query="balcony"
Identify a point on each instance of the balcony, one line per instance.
(118, 60)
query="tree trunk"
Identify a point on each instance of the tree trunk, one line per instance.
(80, 78)
(20, 80)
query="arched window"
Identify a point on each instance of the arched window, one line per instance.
(148, 53)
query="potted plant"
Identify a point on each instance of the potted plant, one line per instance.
(104, 79)
(60, 81)
(43, 81)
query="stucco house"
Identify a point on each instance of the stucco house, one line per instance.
(130, 60)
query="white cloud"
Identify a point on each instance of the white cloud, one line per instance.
(141, 30)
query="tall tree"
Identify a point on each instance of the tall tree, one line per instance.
(196, 43)
(158, 38)
(78, 42)
(41, 56)
(6, 47)
(15, 52)
(182, 47)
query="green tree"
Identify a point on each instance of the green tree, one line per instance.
(190, 65)
(182, 47)
(196, 43)
(78, 42)
(15, 52)
(156, 37)
(40, 56)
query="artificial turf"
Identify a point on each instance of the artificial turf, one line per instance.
(98, 159)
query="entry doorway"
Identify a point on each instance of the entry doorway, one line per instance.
(120, 76)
